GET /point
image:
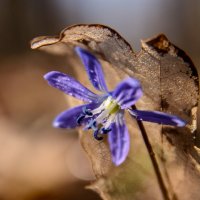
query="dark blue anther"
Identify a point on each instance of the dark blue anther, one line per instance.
(105, 131)
(96, 135)
(87, 111)
(80, 119)
(90, 125)
(94, 125)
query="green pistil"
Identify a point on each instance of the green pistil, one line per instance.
(113, 107)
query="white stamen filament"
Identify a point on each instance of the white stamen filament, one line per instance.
(107, 112)
(110, 120)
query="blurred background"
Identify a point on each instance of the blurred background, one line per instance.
(36, 160)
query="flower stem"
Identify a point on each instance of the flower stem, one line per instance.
(153, 160)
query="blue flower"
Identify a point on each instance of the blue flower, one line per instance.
(104, 113)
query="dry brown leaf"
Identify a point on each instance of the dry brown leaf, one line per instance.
(170, 83)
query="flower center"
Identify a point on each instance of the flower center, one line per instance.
(112, 106)
(100, 118)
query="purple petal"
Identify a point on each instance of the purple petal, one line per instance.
(119, 140)
(68, 118)
(157, 117)
(70, 86)
(127, 92)
(93, 68)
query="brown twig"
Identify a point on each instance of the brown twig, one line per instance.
(153, 160)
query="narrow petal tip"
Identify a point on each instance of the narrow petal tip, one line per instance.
(56, 124)
(62, 124)
(78, 49)
(59, 123)
(118, 162)
(179, 122)
(49, 75)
